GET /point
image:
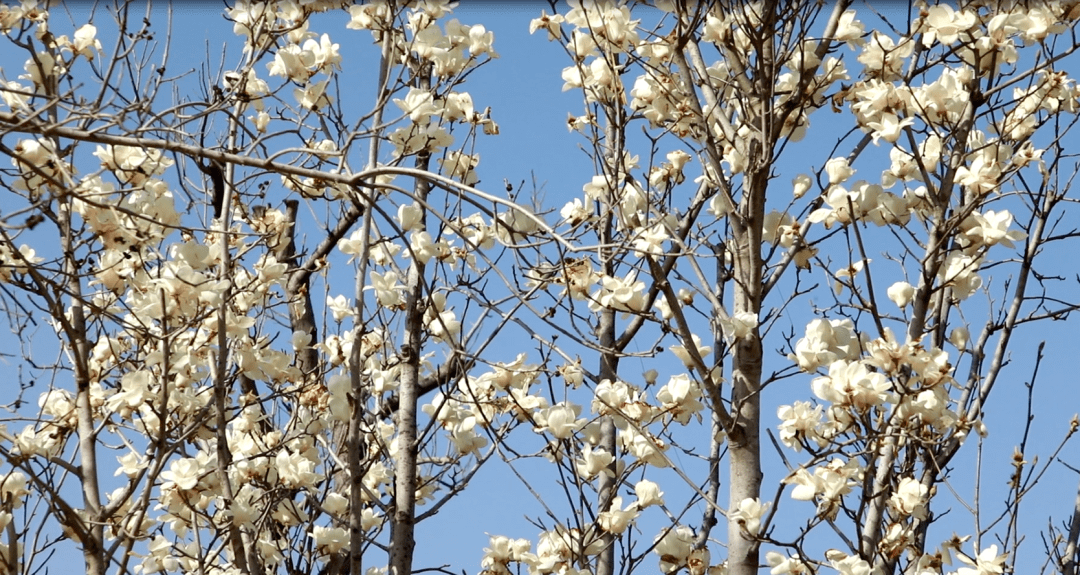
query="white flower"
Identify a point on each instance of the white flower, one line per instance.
(799, 422)
(572, 374)
(901, 293)
(184, 473)
(749, 514)
(959, 337)
(295, 470)
(888, 126)
(683, 353)
(84, 39)
(909, 498)
(739, 326)
(616, 519)
(621, 294)
(648, 494)
(387, 290)
(575, 212)
(13, 488)
(852, 384)
(552, 24)
(313, 96)
(674, 547)
(339, 306)
(850, 565)
(988, 562)
(561, 420)
(849, 30)
(825, 342)
(838, 170)
(419, 105)
(336, 504)
(680, 398)
(410, 217)
(593, 461)
(330, 540)
(783, 565)
(960, 273)
(800, 184)
(990, 229)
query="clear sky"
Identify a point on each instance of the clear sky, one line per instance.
(523, 89)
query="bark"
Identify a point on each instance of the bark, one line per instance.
(402, 539)
(301, 314)
(744, 447)
(406, 472)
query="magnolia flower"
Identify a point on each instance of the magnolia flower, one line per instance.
(296, 470)
(594, 461)
(184, 473)
(551, 23)
(616, 519)
(748, 515)
(990, 229)
(387, 290)
(621, 294)
(13, 488)
(313, 96)
(648, 494)
(846, 276)
(806, 485)
(945, 25)
(849, 30)
(888, 127)
(410, 217)
(784, 565)
(339, 306)
(987, 562)
(800, 184)
(15, 95)
(329, 540)
(575, 212)
(799, 423)
(739, 326)
(674, 547)
(650, 240)
(959, 337)
(852, 384)
(883, 57)
(560, 420)
(838, 170)
(960, 273)
(684, 355)
(502, 551)
(131, 164)
(901, 293)
(825, 342)
(909, 498)
(647, 449)
(680, 398)
(84, 41)
(851, 564)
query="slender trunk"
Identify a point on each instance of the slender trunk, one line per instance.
(402, 538)
(357, 446)
(605, 562)
(406, 474)
(609, 360)
(94, 543)
(1068, 562)
(744, 448)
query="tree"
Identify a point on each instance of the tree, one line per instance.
(305, 362)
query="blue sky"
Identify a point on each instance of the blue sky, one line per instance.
(523, 89)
